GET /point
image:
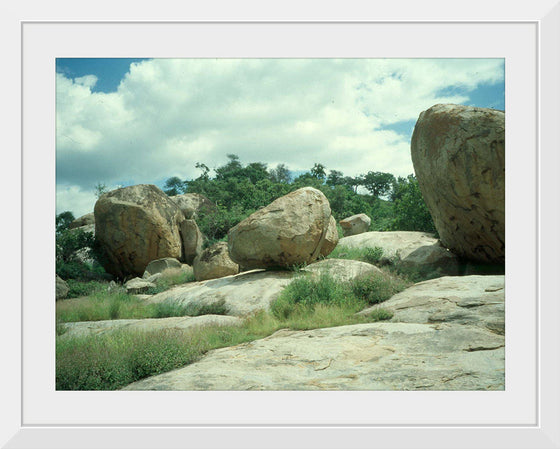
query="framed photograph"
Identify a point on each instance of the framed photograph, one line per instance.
(522, 414)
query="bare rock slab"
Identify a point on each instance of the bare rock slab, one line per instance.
(251, 291)
(469, 300)
(392, 242)
(377, 356)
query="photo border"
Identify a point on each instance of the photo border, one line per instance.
(546, 434)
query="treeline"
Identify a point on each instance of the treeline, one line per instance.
(239, 190)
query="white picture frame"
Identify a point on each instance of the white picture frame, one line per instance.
(25, 26)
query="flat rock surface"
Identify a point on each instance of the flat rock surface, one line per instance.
(403, 242)
(472, 300)
(84, 328)
(254, 290)
(376, 356)
(243, 293)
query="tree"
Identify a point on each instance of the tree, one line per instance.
(174, 186)
(335, 178)
(63, 220)
(280, 174)
(318, 171)
(100, 189)
(378, 183)
(409, 209)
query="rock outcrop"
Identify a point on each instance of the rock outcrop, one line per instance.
(356, 224)
(331, 238)
(62, 288)
(469, 300)
(289, 231)
(84, 220)
(214, 262)
(159, 265)
(139, 286)
(255, 290)
(432, 259)
(376, 356)
(393, 243)
(192, 240)
(136, 225)
(192, 204)
(458, 154)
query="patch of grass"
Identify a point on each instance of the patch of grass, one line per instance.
(303, 295)
(108, 362)
(85, 288)
(369, 255)
(380, 315)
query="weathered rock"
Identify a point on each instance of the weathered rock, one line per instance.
(84, 220)
(458, 154)
(331, 238)
(192, 240)
(255, 290)
(342, 269)
(393, 243)
(159, 265)
(356, 224)
(289, 231)
(470, 300)
(136, 225)
(377, 356)
(62, 288)
(191, 204)
(83, 328)
(214, 262)
(432, 259)
(138, 285)
(242, 294)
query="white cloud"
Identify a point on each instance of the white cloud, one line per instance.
(168, 114)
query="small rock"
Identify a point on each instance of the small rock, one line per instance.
(138, 285)
(356, 224)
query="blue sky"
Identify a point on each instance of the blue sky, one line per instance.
(129, 121)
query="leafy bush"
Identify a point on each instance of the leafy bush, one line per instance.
(369, 255)
(409, 209)
(377, 288)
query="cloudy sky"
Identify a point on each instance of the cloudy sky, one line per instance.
(133, 121)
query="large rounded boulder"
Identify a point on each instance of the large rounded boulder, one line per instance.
(289, 231)
(136, 225)
(458, 154)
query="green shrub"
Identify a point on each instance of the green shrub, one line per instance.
(166, 309)
(377, 288)
(380, 315)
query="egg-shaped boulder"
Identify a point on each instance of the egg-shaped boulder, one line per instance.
(291, 230)
(458, 154)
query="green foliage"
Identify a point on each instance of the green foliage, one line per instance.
(378, 183)
(63, 220)
(369, 255)
(377, 288)
(380, 315)
(305, 293)
(84, 288)
(100, 189)
(409, 208)
(111, 362)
